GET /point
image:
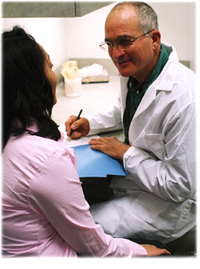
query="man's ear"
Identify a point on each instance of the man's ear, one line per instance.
(156, 37)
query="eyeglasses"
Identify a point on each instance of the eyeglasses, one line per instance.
(122, 44)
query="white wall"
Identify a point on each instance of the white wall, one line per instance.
(49, 32)
(65, 38)
(177, 24)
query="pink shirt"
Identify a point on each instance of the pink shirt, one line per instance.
(44, 210)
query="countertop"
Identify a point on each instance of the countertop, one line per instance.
(95, 97)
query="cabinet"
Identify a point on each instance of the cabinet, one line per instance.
(83, 8)
(49, 9)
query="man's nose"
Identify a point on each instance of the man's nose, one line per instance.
(116, 52)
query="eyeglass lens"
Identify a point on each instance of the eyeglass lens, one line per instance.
(122, 44)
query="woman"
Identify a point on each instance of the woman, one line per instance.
(44, 210)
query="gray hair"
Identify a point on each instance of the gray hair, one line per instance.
(148, 19)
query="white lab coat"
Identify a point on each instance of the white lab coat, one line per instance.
(157, 198)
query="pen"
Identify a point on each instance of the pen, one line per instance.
(78, 117)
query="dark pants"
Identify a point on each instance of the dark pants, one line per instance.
(96, 190)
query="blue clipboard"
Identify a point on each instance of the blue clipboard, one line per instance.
(93, 163)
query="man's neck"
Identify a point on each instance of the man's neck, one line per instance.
(147, 72)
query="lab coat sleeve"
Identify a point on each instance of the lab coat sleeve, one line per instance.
(56, 193)
(106, 121)
(171, 174)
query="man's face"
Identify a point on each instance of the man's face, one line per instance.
(138, 59)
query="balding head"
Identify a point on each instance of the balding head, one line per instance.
(147, 18)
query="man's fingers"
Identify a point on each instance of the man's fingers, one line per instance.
(69, 122)
(95, 141)
(79, 127)
(72, 124)
(75, 135)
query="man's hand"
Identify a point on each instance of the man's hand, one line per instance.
(154, 251)
(110, 146)
(81, 127)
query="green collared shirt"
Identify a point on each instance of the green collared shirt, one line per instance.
(134, 95)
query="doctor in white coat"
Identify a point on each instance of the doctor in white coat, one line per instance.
(156, 200)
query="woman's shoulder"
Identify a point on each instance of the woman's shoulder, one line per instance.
(35, 149)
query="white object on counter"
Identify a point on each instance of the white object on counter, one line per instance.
(92, 69)
(94, 73)
(73, 87)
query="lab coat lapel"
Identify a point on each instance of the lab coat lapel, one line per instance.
(164, 82)
(124, 91)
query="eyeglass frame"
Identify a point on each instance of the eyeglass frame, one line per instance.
(112, 43)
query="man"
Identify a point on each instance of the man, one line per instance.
(156, 200)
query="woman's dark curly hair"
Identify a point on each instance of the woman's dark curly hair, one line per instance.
(27, 93)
